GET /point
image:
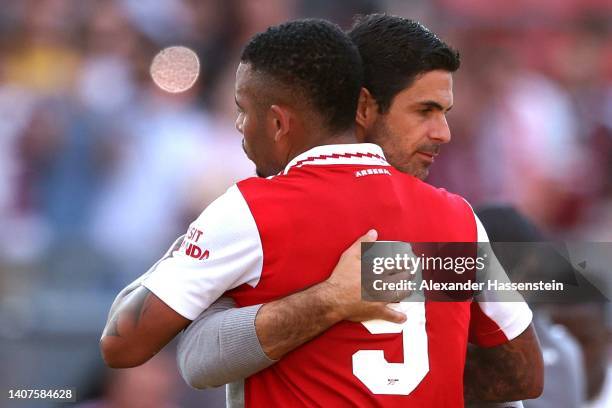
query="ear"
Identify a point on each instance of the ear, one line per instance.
(279, 122)
(367, 112)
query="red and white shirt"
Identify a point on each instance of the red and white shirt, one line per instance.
(267, 238)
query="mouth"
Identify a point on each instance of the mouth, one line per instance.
(429, 157)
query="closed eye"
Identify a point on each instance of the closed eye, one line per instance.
(430, 106)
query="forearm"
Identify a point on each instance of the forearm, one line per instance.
(287, 323)
(510, 372)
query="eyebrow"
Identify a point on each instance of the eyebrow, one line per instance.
(435, 105)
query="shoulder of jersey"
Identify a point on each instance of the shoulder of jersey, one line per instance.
(431, 191)
(286, 182)
(273, 183)
(437, 196)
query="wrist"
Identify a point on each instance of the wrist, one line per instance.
(328, 301)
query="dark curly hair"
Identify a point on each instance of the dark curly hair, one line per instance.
(314, 59)
(394, 51)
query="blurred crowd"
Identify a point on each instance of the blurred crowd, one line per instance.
(100, 170)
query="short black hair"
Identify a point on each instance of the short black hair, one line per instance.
(316, 57)
(394, 50)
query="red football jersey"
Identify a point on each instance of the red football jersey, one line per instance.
(269, 238)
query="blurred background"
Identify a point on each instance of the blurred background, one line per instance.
(100, 169)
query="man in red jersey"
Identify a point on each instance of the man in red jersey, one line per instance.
(241, 241)
(408, 91)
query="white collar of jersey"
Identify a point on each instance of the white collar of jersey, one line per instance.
(358, 153)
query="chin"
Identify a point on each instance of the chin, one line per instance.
(416, 171)
(266, 172)
(422, 174)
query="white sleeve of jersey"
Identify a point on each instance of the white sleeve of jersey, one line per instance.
(221, 250)
(512, 318)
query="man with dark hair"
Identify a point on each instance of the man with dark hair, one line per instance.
(252, 241)
(314, 82)
(407, 90)
(386, 45)
(407, 93)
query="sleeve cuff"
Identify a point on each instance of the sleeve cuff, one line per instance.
(161, 289)
(238, 338)
(519, 324)
(508, 330)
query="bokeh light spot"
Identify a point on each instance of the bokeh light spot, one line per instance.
(175, 69)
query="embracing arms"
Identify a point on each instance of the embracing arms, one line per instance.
(140, 323)
(247, 340)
